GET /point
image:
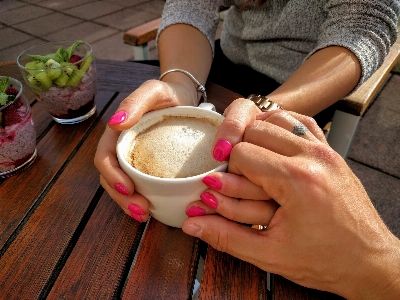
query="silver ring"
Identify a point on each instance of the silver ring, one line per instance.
(299, 129)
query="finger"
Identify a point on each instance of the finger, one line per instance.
(308, 122)
(151, 95)
(135, 206)
(237, 116)
(263, 167)
(244, 210)
(232, 185)
(107, 164)
(275, 138)
(228, 236)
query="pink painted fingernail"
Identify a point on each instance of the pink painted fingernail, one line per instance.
(212, 182)
(135, 209)
(222, 150)
(136, 217)
(118, 118)
(209, 199)
(195, 211)
(120, 188)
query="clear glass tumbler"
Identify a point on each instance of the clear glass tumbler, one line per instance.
(63, 77)
(17, 133)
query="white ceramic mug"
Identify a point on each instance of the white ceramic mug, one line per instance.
(168, 197)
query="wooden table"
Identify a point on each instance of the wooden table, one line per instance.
(63, 237)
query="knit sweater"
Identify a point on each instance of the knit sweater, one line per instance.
(276, 38)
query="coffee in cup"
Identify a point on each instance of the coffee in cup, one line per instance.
(167, 154)
(175, 147)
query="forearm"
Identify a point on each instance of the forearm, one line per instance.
(183, 46)
(324, 78)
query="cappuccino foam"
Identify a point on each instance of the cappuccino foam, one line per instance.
(175, 147)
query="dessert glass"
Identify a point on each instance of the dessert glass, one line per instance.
(17, 133)
(68, 101)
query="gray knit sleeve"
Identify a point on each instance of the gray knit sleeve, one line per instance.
(202, 15)
(368, 28)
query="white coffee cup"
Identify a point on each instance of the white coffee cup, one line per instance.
(168, 197)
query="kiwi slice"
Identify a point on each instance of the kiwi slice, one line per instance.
(86, 63)
(75, 78)
(66, 71)
(41, 81)
(31, 67)
(69, 65)
(53, 69)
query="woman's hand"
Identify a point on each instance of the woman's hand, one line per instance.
(325, 233)
(238, 116)
(151, 95)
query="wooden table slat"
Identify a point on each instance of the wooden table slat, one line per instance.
(50, 228)
(285, 290)
(53, 151)
(167, 263)
(226, 277)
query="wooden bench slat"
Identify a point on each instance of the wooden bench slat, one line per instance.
(142, 34)
(358, 102)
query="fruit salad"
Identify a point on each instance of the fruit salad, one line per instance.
(17, 133)
(65, 81)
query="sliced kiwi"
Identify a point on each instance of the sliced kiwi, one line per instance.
(53, 69)
(40, 80)
(86, 63)
(68, 64)
(66, 71)
(75, 78)
(31, 67)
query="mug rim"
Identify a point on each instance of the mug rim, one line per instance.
(165, 111)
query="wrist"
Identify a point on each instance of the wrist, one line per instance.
(196, 93)
(379, 278)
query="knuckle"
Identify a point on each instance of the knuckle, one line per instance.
(235, 123)
(310, 122)
(220, 241)
(326, 153)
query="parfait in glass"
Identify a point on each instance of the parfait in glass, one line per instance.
(63, 77)
(17, 133)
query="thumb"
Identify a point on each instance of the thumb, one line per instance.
(227, 236)
(151, 95)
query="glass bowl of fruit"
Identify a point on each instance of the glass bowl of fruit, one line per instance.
(17, 133)
(63, 77)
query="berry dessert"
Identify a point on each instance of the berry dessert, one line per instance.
(17, 133)
(64, 80)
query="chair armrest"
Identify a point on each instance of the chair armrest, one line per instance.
(142, 34)
(358, 102)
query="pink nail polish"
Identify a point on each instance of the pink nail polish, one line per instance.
(136, 217)
(222, 150)
(195, 211)
(120, 188)
(209, 199)
(135, 209)
(212, 182)
(118, 118)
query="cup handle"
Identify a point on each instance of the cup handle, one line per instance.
(207, 105)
